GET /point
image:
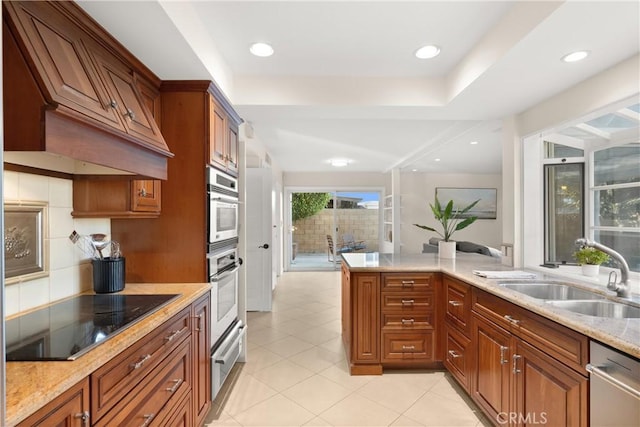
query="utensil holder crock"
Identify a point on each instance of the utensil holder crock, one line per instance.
(108, 275)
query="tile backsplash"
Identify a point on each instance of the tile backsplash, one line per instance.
(69, 268)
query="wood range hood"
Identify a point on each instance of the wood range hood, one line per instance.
(74, 97)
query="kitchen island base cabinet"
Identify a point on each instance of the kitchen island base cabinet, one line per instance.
(71, 409)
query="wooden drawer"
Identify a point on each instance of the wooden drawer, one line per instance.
(180, 416)
(457, 356)
(70, 409)
(458, 304)
(407, 346)
(408, 302)
(150, 402)
(408, 321)
(407, 281)
(560, 342)
(115, 379)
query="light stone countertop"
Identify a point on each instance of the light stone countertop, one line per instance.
(31, 385)
(622, 334)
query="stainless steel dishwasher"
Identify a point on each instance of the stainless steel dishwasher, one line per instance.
(615, 388)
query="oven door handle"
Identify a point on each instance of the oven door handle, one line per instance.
(225, 200)
(218, 277)
(231, 348)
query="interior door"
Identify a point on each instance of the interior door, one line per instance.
(259, 239)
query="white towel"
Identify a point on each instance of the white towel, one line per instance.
(502, 274)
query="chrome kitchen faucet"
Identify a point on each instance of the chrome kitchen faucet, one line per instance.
(622, 289)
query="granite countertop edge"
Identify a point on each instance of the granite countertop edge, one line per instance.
(31, 385)
(621, 334)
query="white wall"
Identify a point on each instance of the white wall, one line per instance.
(69, 269)
(338, 179)
(418, 190)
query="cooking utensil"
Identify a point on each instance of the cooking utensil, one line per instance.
(98, 242)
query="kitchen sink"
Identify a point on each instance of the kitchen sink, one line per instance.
(551, 291)
(599, 308)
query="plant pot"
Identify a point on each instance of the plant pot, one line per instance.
(446, 249)
(590, 270)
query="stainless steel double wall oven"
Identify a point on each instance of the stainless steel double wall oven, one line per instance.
(227, 330)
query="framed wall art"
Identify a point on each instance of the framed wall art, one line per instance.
(486, 208)
(25, 255)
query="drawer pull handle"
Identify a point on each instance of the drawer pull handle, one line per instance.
(84, 416)
(112, 103)
(407, 302)
(199, 324)
(147, 419)
(503, 360)
(511, 319)
(177, 384)
(515, 363)
(408, 321)
(408, 283)
(173, 335)
(453, 354)
(455, 303)
(141, 362)
(408, 347)
(130, 114)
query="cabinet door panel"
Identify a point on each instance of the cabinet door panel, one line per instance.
(492, 367)
(232, 150)
(71, 409)
(201, 389)
(62, 61)
(457, 357)
(458, 304)
(366, 318)
(217, 135)
(145, 195)
(547, 392)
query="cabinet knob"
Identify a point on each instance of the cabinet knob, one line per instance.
(84, 417)
(113, 104)
(130, 114)
(453, 354)
(147, 419)
(455, 303)
(142, 192)
(511, 319)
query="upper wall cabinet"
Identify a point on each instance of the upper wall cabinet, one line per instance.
(223, 137)
(64, 71)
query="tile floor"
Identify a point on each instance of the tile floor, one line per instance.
(296, 372)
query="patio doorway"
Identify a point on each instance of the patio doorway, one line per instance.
(323, 224)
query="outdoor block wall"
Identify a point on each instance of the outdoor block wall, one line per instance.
(311, 233)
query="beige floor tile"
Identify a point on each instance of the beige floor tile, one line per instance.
(275, 411)
(218, 418)
(296, 313)
(335, 345)
(356, 410)
(446, 387)
(264, 336)
(246, 392)
(318, 422)
(288, 346)
(391, 392)
(293, 327)
(316, 393)
(259, 359)
(315, 307)
(403, 421)
(334, 325)
(435, 410)
(340, 375)
(283, 375)
(316, 335)
(425, 380)
(316, 359)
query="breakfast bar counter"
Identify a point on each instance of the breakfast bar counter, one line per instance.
(622, 334)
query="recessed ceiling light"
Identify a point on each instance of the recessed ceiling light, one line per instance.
(575, 56)
(437, 160)
(414, 170)
(261, 49)
(427, 52)
(339, 163)
(474, 143)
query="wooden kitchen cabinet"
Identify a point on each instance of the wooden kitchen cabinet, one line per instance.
(115, 197)
(458, 351)
(365, 325)
(201, 395)
(70, 409)
(527, 368)
(223, 139)
(75, 91)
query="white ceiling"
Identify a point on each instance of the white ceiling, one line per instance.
(343, 81)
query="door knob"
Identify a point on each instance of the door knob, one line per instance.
(265, 246)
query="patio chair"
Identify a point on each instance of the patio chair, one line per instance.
(355, 245)
(338, 250)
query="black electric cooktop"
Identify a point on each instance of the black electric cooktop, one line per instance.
(70, 328)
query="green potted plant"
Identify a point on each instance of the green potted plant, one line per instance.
(451, 221)
(590, 259)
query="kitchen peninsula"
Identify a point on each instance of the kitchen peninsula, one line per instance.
(511, 352)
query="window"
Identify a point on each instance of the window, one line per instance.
(616, 200)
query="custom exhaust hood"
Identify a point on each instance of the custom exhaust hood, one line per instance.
(75, 100)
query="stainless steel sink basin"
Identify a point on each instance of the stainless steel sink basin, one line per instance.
(599, 308)
(551, 291)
